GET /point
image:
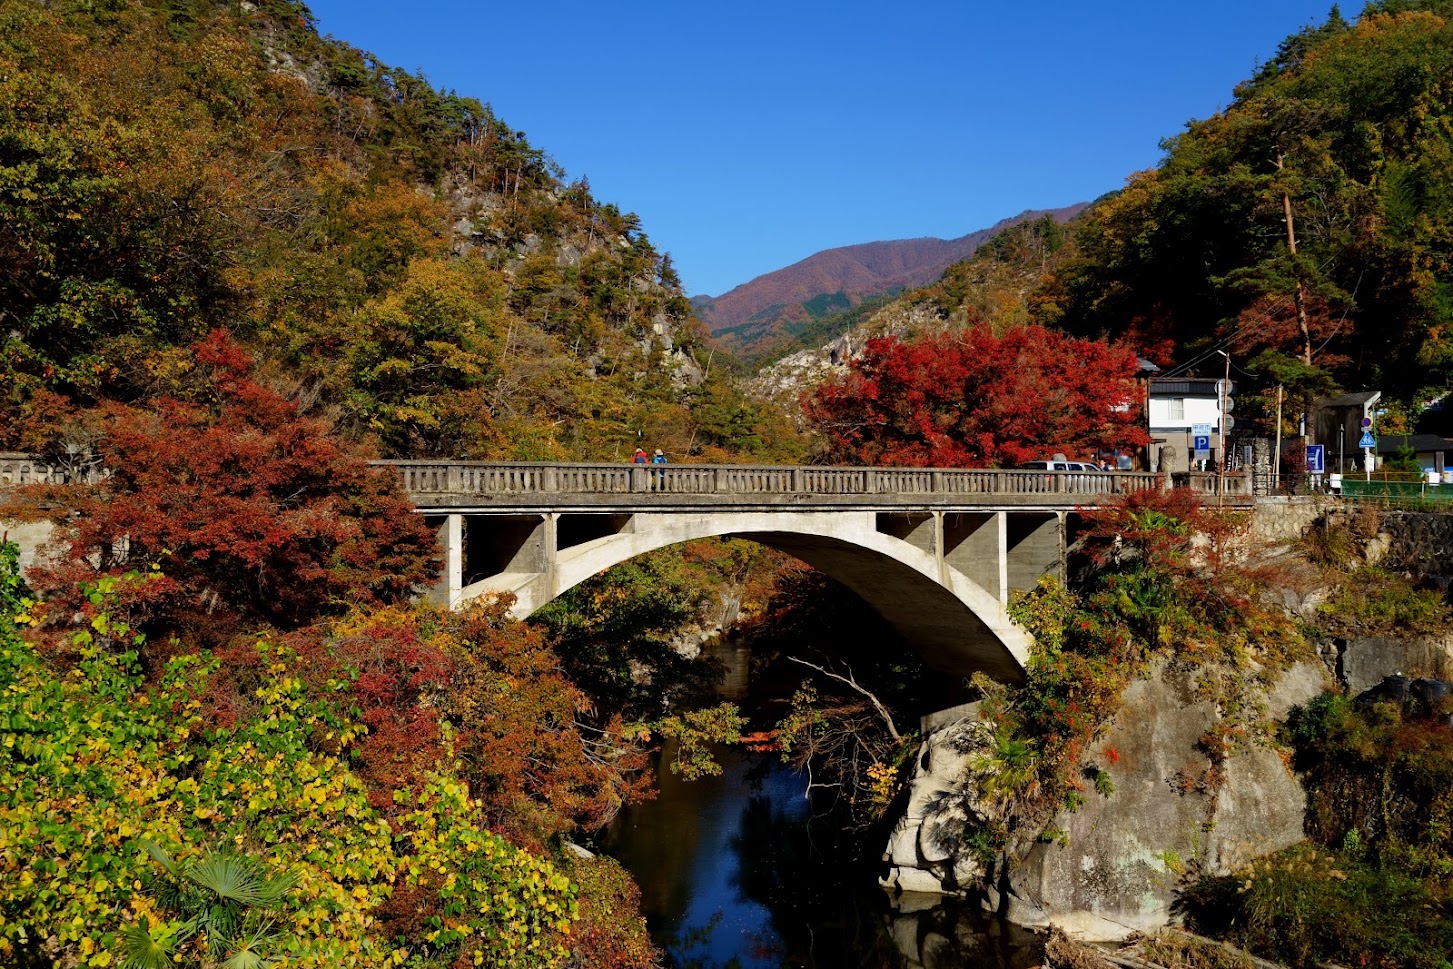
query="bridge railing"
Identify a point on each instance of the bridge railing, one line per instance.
(30, 469)
(1233, 485)
(463, 478)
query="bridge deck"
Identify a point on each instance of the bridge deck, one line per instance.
(491, 486)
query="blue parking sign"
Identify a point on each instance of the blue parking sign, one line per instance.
(1201, 442)
(1316, 463)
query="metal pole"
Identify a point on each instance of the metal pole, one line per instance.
(1221, 423)
(1276, 455)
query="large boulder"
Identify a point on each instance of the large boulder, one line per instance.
(925, 850)
(1173, 811)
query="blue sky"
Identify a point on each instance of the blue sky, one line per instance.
(749, 135)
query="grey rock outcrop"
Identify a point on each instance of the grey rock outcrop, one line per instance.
(946, 799)
(1363, 661)
(1113, 867)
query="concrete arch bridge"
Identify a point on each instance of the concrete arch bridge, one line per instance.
(936, 552)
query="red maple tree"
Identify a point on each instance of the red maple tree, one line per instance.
(973, 399)
(248, 512)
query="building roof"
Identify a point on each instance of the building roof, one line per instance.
(1186, 387)
(1360, 399)
(1420, 443)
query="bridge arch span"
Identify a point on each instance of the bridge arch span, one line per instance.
(955, 623)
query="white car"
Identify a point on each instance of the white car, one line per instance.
(1058, 466)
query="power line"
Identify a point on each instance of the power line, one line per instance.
(1263, 319)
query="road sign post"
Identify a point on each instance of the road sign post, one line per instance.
(1201, 442)
(1367, 443)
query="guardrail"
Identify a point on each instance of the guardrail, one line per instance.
(466, 478)
(1394, 491)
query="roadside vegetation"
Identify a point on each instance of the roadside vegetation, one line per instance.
(1373, 885)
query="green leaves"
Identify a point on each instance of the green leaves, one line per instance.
(219, 896)
(1341, 141)
(695, 731)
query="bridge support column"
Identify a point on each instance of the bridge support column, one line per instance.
(549, 544)
(1034, 546)
(919, 529)
(451, 578)
(973, 543)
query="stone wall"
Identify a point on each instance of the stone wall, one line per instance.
(30, 536)
(1280, 518)
(1419, 543)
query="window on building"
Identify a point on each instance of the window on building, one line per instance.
(1176, 408)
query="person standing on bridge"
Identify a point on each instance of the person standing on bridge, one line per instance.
(659, 458)
(640, 457)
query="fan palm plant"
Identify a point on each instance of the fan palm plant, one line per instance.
(219, 907)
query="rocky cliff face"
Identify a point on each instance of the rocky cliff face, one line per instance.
(1111, 867)
(784, 382)
(1173, 812)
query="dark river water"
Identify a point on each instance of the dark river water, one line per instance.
(735, 872)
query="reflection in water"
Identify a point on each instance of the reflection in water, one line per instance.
(731, 874)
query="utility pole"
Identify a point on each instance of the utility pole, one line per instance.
(1221, 423)
(1276, 455)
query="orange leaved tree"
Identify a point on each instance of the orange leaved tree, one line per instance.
(247, 512)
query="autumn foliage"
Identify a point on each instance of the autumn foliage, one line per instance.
(973, 399)
(249, 513)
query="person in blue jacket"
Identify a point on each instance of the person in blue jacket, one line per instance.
(659, 458)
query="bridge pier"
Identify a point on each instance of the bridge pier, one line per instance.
(451, 577)
(1034, 546)
(974, 543)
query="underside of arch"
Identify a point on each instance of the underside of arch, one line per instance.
(954, 623)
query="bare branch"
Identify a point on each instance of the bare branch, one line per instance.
(852, 684)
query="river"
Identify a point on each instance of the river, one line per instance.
(735, 872)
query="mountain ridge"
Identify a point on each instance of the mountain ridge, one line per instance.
(853, 272)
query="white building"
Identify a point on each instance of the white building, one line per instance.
(1175, 408)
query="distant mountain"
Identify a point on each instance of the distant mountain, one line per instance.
(753, 319)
